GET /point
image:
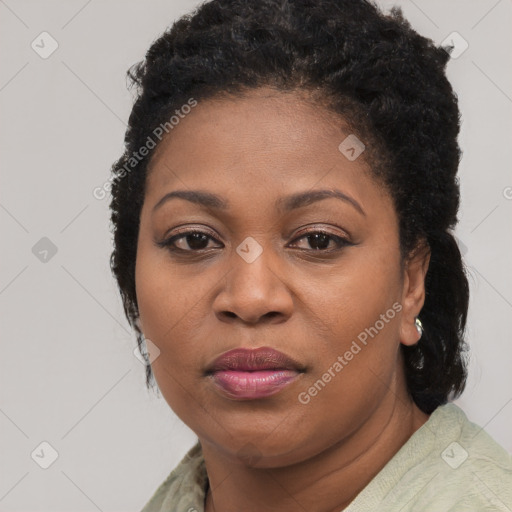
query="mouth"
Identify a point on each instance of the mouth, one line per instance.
(245, 374)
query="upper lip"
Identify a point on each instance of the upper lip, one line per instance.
(246, 359)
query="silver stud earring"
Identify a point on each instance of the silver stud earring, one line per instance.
(419, 326)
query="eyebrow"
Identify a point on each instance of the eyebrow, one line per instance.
(287, 203)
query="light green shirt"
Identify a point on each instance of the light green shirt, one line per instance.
(448, 464)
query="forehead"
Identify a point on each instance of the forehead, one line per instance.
(265, 119)
(262, 143)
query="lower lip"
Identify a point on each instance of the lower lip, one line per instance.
(252, 385)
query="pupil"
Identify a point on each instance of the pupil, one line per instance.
(317, 241)
(199, 241)
(196, 241)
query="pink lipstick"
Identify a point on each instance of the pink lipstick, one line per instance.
(246, 374)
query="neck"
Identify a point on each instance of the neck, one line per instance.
(329, 481)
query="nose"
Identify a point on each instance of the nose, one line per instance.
(253, 293)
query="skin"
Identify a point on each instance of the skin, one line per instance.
(308, 301)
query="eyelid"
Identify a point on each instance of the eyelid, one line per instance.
(340, 241)
(315, 227)
(168, 241)
(187, 228)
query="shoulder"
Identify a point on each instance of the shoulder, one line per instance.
(184, 488)
(466, 469)
(465, 445)
(474, 463)
(448, 465)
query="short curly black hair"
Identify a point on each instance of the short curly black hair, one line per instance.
(378, 74)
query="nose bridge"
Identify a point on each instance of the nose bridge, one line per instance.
(251, 271)
(253, 287)
(253, 268)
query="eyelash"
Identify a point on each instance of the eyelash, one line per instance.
(169, 242)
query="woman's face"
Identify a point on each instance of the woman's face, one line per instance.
(335, 302)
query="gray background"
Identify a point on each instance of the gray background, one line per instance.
(68, 373)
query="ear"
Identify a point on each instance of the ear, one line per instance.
(413, 292)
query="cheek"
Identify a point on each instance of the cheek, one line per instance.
(353, 370)
(352, 297)
(359, 349)
(165, 302)
(166, 314)
(357, 324)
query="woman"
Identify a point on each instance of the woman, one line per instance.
(282, 242)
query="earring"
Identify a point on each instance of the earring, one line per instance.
(419, 326)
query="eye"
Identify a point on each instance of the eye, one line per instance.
(320, 240)
(189, 241)
(197, 241)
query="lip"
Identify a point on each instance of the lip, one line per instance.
(247, 374)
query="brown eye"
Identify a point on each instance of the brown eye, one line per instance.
(197, 241)
(320, 240)
(189, 241)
